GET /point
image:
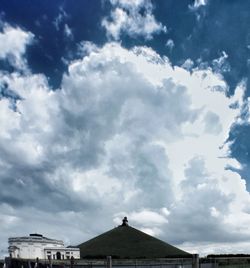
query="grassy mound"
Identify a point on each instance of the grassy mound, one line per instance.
(125, 242)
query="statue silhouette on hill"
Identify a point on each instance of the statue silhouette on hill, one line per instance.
(125, 221)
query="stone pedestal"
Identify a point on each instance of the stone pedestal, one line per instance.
(109, 262)
(195, 261)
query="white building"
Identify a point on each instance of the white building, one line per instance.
(37, 246)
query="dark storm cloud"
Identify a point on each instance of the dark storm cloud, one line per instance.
(24, 186)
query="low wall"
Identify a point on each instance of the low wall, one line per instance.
(104, 263)
(194, 262)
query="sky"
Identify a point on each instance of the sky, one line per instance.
(113, 108)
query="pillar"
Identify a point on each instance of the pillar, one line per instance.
(195, 261)
(109, 262)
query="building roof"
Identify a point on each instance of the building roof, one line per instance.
(35, 238)
(126, 242)
(62, 248)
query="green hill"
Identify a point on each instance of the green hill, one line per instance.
(126, 242)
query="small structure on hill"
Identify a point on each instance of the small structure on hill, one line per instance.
(125, 221)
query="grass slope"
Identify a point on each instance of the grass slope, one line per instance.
(127, 242)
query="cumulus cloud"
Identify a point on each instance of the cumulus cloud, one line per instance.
(147, 221)
(126, 133)
(13, 43)
(133, 18)
(188, 64)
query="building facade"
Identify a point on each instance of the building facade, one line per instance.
(37, 246)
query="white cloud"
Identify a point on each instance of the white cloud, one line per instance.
(126, 135)
(60, 18)
(170, 44)
(176, 142)
(188, 64)
(68, 31)
(146, 220)
(134, 18)
(13, 43)
(198, 3)
(214, 248)
(221, 64)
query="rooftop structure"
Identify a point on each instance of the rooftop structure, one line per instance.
(36, 238)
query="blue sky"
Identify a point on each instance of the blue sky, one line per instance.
(120, 108)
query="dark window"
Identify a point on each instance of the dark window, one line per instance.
(58, 255)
